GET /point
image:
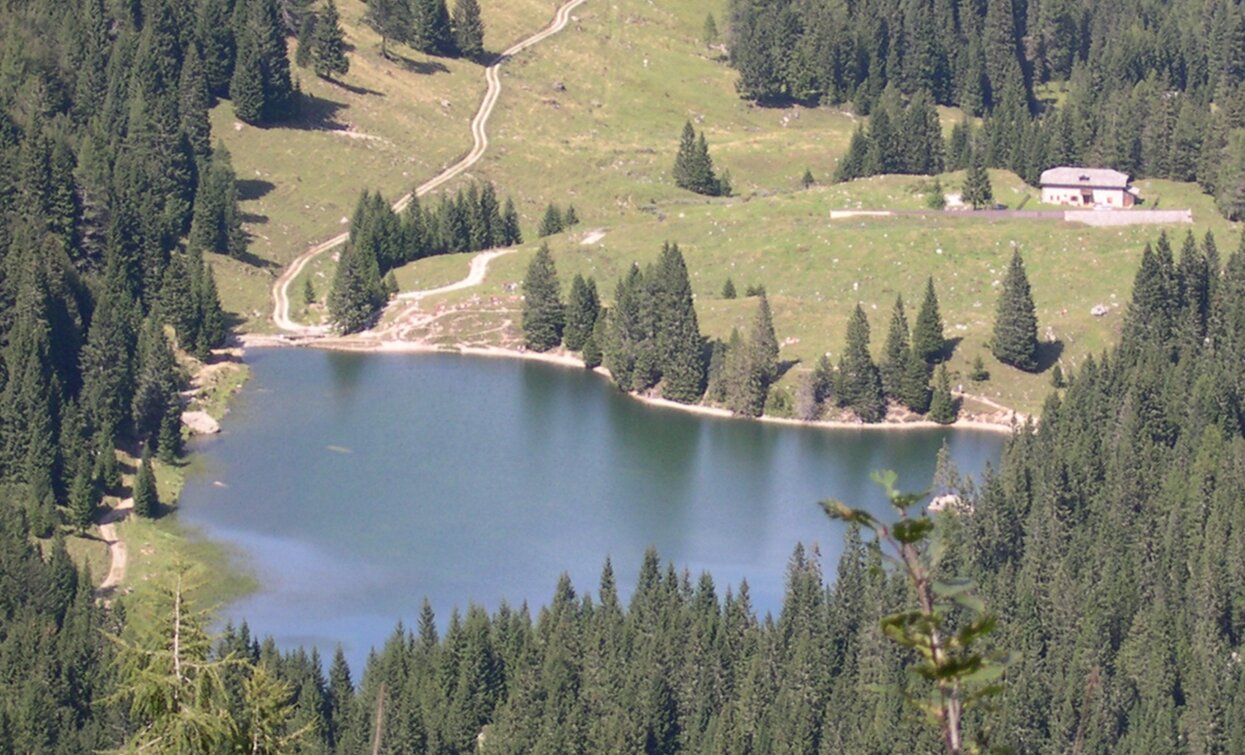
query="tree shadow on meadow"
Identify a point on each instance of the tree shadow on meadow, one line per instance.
(1048, 353)
(253, 188)
(316, 114)
(421, 67)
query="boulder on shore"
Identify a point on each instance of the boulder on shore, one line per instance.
(200, 423)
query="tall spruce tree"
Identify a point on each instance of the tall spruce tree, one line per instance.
(431, 31)
(146, 497)
(895, 352)
(357, 293)
(928, 340)
(468, 29)
(543, 311)
(328, 44)
(392, 20)
(1015, 320)
(942, 405)
(680, 347)
(859, 384)
(977, 191)
(582, 311)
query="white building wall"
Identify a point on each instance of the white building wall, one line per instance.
(1072, 196)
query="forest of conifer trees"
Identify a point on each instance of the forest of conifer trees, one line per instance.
(1152, 89)
(1109, 542)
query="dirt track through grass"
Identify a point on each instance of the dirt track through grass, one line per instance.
(280, 289)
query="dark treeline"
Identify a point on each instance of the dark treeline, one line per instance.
(381, 240)
(428, 26)
(1141, 77)
(110, 195)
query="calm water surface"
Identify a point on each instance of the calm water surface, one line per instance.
(356, 485)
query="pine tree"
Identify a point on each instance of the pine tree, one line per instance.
(156, 380)
(357, 293)
(215, 36)
(942, 407)
(194, 101)
(895, 352)
(570, 218)
(328, 43)
(468, 29)
(306, 41)
(430, 27)
(511, 233)
(261, 89)
(551, 223)
(977, 191)
(543, 312)
(728, 289)
(217, 222)
(1015, 321)
(591, 351)
(807, 179)
(684, 168)
(762, 340)
(680, 347)
(710, 33)
(392, 20)
(146, 497)
(309, 293)
(855, 164)
(860, 385)
(927, 335)
(581, 313)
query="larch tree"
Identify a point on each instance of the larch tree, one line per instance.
(1015, 321)
(543, 311)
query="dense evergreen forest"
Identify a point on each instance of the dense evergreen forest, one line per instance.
(1109, 542)
(1152, 89)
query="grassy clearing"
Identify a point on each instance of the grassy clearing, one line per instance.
(816, 270)
(389, 125)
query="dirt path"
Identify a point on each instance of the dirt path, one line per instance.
(280, 288)
(116, 546)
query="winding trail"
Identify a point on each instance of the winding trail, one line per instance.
(479, 265)
(117, 552)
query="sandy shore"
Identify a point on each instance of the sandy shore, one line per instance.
(992, 423)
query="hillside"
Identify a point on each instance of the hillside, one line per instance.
(591, 118)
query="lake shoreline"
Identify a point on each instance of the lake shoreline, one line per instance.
(983, 423)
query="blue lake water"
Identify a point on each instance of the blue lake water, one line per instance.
(356, 485)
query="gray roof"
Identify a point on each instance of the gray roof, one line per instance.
(1088, 177)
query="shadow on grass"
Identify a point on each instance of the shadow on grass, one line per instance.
(423, 68)
(353, 89)
(252, 188)
(784, 366)
(949, 345)
(1048, 353)
(316, 114)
